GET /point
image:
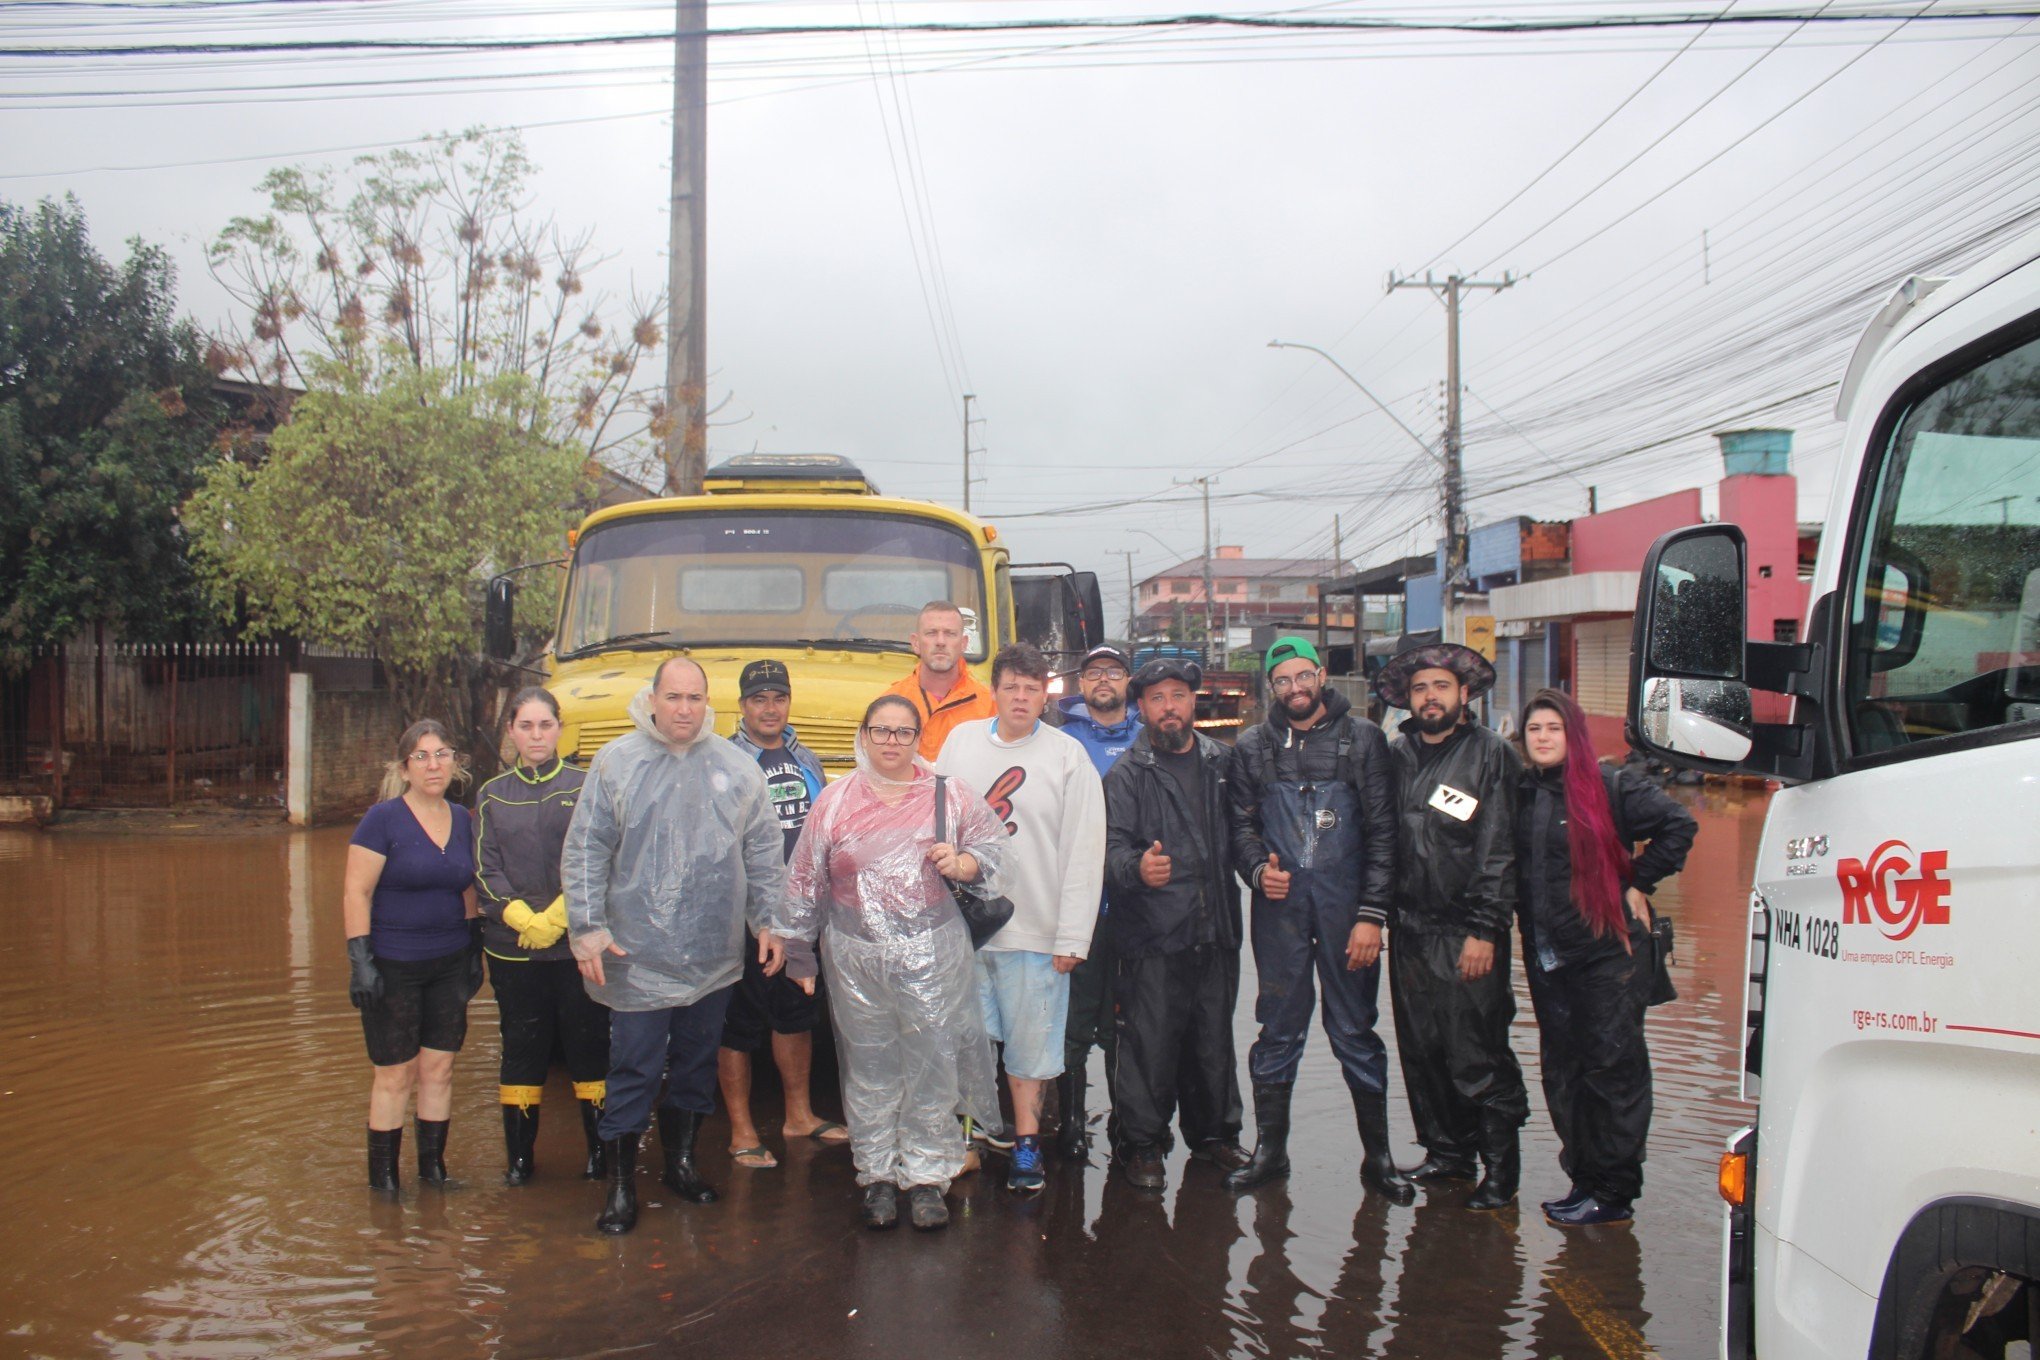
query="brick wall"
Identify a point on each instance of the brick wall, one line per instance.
(353, 733)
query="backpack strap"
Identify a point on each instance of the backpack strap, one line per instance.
(941, 809)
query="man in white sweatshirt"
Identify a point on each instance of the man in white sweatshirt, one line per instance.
(1042, 784)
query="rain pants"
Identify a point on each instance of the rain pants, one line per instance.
(670, 851)
(1322, 800)
(1456, 872)
(901, 973)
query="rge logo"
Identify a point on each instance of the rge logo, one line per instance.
(1868, 890)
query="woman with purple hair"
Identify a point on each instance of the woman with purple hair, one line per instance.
(1584, 909)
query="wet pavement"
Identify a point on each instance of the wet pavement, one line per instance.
(184, 1089)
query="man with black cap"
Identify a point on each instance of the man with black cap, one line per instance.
(772, 1006)
(1098, 716)
(1455, 899)
(1313, 829)
(1176, 927)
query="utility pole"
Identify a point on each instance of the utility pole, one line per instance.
(1450, 290)
(1128, 554)
(687, 257)
(1323, 607)
(1210, 656)
(968, 398)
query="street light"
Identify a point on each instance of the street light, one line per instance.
(1414, 436)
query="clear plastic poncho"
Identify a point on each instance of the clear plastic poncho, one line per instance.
(671, 850)
(901, 972)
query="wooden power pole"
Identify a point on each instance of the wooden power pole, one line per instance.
(687, 278)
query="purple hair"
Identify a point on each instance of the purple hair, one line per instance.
(1600, 861)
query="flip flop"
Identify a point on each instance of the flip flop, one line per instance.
(822, 1132)
(737, 1156)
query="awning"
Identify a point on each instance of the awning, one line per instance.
(1565, 597)
(1386, 579)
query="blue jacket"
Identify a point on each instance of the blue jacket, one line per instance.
(1104, 744)
(810, 763)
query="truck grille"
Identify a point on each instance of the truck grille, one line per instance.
(833, 739)
(596, 735)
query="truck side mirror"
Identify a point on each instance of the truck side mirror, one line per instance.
(499, 616)
(1688, 700)
(1088, 627)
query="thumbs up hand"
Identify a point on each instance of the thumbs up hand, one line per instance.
(1274, 881)
(1154, 866)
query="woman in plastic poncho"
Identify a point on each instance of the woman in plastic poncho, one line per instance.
(902, 978)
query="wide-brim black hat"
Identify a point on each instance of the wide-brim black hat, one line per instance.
(1164, 668)
(1475, 671)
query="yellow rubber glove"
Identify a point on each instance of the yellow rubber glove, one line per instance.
(546, 927)
(517, 914)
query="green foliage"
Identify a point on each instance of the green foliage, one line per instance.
(377, 517)
(106, 412)
(430, 259)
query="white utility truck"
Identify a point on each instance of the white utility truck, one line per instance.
(1886, 1201)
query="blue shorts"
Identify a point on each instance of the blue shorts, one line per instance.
(1027, 1006)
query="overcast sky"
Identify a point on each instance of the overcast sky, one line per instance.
(1123, 222)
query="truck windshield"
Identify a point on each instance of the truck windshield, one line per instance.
(768, 578)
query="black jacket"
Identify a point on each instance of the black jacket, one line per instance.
(521, 821)
(1343, 746)
(1200, 904)
(1544, 854)
(1453, 876)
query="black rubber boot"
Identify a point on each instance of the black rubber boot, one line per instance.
(619, 1210)
(520, 1135)
(1071, 1139)
(598, 1162)
(1503, 1154)
(1270, 1161)
(383, 1147)
(677, 1129)
(1437, 1166)
(432, 1151)
(1378, 1170)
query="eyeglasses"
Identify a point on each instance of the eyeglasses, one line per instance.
(1304, 680)
(440, 757)
(1105, 673)
(893, 736)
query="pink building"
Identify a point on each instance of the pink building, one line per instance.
(1593, 608)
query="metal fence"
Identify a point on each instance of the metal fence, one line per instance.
(111, 724)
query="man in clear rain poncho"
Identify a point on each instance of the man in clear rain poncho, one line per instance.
(870, 872)
(673, 847)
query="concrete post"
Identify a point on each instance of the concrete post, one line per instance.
(298, 759)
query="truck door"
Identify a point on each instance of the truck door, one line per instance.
(1060, 611)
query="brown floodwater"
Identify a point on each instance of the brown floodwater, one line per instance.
(184, 1092)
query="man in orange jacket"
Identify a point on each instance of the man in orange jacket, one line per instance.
(941, 688)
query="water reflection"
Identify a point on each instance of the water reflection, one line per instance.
(184, 1074)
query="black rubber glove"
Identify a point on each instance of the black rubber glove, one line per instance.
(475, 971)
(365, 988)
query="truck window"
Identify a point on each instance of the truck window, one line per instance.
(1945, 601)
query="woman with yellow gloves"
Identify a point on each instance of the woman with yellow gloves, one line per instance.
(520, 826)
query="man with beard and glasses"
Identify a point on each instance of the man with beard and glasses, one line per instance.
(1313, 829)
(1455, 898)
(941, 688)
(1099, 718)
(1176, 927)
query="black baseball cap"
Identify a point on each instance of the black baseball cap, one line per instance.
(761, 676)
(1109, 654)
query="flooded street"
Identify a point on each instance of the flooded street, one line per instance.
(185, 1088)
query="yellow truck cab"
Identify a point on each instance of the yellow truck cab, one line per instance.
(797, 557)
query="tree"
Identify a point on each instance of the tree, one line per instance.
(429, 260)
(106, 412)
(375, 520)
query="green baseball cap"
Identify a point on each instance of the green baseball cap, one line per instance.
(1289, 649)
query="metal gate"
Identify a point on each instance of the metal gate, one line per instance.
(111, 724)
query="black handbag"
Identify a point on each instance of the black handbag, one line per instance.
(1661, 942)
(986, 916)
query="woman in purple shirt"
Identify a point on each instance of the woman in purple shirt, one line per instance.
(414, 944)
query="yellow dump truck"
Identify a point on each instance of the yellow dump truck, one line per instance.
(793, 556)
